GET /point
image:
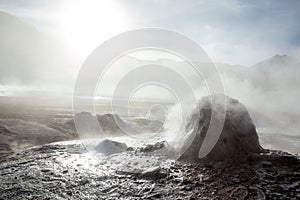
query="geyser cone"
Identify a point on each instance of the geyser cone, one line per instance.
(237, 139)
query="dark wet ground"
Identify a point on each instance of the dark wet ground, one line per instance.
(67, 171)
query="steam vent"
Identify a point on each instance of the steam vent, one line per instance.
(238, 138)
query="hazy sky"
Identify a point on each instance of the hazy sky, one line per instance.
(232, 31)
(235, 32)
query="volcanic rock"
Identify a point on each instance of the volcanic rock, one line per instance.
(111, 124)
(110, 147)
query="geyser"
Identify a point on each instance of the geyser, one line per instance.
(238, 138)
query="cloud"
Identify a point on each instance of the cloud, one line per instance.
(241, 27)
(240, 32)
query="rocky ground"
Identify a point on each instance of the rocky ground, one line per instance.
(67, 171)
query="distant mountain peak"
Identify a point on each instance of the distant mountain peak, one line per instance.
(281, 57)
(278, 60)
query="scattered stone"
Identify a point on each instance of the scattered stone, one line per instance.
(69, 193)
(130, 149)
(266, 163)
(259, 193)
(45, 170)
(153, 147)
(206, 179)
(84, 181)
(152, 173)
(172, 180)
(239, 193)
(236, 180)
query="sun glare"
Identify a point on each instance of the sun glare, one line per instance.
(87, 23)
